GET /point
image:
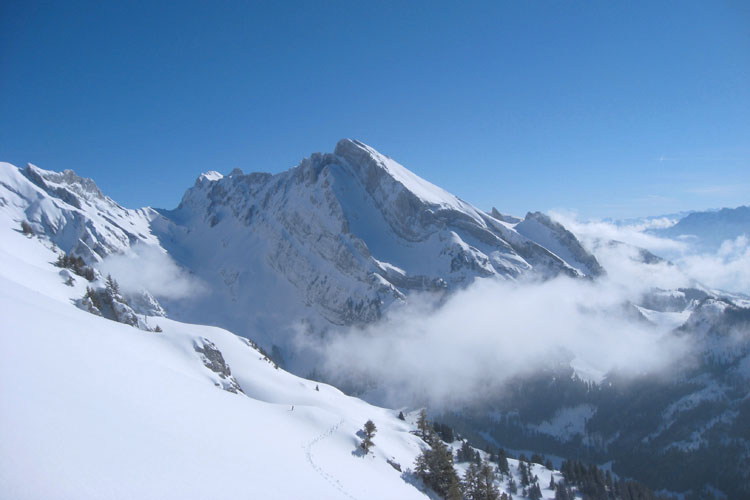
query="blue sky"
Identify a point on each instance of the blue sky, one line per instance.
(608, 108)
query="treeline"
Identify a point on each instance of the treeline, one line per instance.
(483, 476)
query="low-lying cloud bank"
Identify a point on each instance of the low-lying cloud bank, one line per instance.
(148, 268)
(728, 269)
(469, 347)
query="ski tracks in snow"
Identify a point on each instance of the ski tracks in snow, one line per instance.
(325, 475)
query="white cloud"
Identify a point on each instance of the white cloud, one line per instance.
(592, 232)
(481, 337)
(727, 269)
(149, 268)
(474, 342)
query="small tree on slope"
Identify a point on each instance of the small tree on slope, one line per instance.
(369, 432)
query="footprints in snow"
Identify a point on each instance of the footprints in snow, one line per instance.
(325, 475)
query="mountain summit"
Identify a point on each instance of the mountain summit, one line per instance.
(335, 240)
(344, 235)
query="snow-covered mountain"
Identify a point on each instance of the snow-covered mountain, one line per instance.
(343, 236)
(336, 240)
(92, 408)
(72, 212)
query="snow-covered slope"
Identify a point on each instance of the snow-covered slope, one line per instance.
(91, 408)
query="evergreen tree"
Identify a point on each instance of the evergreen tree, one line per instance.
(445, 432)
(454, 492)
(502, 462)
(486, 482)
(512, 487)
(112, 286)
(471, 482)
(561, 492)
(535, 493)
(464, 453)
(435, 467)
(479, 482)
(423, 426)
(420, 466)
(523, 469)
(401, 416)
(369, 432)
(94, 298)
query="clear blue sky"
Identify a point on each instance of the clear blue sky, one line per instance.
(613, 108)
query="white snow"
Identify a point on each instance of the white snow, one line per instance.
(567, 422)
(211, 175)
(667, 320)
(90, 408)
(423, 189)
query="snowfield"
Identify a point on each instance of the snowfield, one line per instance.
(91, 408)
(95, 409)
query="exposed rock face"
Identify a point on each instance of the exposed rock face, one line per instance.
(352, 232)
(214, 361)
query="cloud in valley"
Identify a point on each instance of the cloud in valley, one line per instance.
(473, 343)
(483, 336)
(727, 269)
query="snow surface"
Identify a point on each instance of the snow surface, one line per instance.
(423, 189)
(92, 409)
(567, 422)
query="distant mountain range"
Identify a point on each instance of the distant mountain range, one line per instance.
(706, 231)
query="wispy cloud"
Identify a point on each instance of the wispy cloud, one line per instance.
(151, 269)
(473, 344)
